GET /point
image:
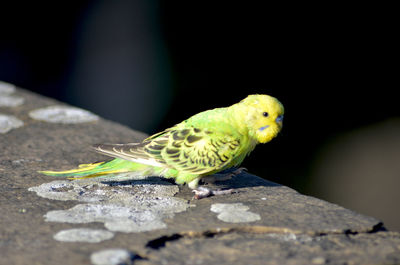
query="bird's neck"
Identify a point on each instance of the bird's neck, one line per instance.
(237, 118)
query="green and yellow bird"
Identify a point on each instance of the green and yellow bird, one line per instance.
(204, 144)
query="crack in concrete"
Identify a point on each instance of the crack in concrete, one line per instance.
(160, 242)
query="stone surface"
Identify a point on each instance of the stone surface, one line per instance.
(10, 101)
(272, 248)
(154, 221)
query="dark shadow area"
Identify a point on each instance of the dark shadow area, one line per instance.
(162, 241)
(246, 180)
(146, 181)
(242, 180)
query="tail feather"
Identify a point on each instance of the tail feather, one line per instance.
(97, 169)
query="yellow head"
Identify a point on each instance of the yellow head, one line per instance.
(263, 116)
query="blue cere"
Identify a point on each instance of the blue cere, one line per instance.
(279, 118)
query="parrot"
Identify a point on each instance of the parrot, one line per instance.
(203, 145)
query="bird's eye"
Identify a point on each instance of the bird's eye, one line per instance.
(265, 114)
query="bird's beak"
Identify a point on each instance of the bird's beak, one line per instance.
(279, 119)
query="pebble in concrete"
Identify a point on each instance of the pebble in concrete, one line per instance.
(7, 100)
(9, 122)
(113, 256)
(63, 114)
(83, 235)
(234, 213)
(133, 206)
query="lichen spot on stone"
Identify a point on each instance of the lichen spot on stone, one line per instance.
(112, 256)
(9, 122)
(6, 99)
(234, 213)
(83, 235)
(63, 114)
(6, 88)
(132, 206)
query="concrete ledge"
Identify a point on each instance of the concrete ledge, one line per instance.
(150, 220)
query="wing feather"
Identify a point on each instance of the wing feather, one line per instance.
(188, 149)
(136, 152)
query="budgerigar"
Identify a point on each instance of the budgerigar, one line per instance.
(204, 144)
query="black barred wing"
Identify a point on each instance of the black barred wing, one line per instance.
(191, 150)
(200, 151)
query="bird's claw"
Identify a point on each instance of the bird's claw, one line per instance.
(201, 192)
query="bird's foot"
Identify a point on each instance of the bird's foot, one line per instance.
(203, 192)
(223, 176)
